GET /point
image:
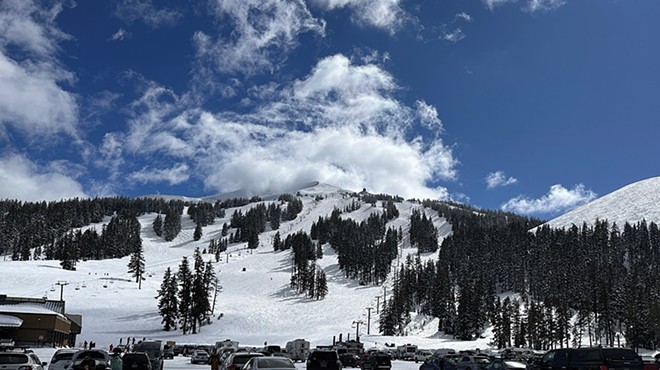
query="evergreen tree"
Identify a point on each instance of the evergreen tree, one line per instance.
(136, 266)
(185, 279)
(168, 301)
(197, 234)
(158, 225)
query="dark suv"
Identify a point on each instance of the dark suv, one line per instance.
(591, 358)
(377, 361)
(136, 361)
(323, 360)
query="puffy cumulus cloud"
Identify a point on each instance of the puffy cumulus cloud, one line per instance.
(173, 175)
(31, 98)
(131, 11)
(262, 33)
(384, 14)
(340, 124)
(558, 199)
(498, 178)
(25, 180)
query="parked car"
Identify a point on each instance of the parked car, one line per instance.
(61, 359)
(472, 362)
(504, 364)
(349, 360)
(236, 360)
(100, 357)
(199, 357)
(323, 359)
(269, 362)
(591, 357)
(136, 361)
(438, 363)
(15, 360)
(377, 361)
(422, 355)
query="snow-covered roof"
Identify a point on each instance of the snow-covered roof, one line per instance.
(30, 308)
(7, 321)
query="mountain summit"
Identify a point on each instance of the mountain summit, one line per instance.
(632, 203)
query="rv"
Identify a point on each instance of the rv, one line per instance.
(298, 349)
(155, 351)
(406, 351)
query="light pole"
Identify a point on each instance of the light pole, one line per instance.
(357, 329)
(369, 318)
(377, 303)
(62, 283)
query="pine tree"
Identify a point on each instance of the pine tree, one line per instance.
(185, 279)
(168, 302)
(136, 266)
(198, 232)
(321, 284)
(158, 225)
(199, 293)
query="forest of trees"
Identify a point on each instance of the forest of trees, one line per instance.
(596, 281)
(603, 276)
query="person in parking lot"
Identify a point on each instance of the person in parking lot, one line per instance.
(214, 360)
(116, 362)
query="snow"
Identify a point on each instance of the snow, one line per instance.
(256, 301)
(7, 321)
(631, 203)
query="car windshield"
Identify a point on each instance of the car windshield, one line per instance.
(241, 360)
(274, 362)
(6, 359)
(62, 356)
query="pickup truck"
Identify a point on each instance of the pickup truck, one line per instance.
(591, 358)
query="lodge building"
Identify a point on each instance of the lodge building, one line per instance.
(37, 321)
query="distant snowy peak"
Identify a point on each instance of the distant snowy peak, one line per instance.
(632, 203)
(311, 188)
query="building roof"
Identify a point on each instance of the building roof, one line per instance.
(29, 308)
(8, 321)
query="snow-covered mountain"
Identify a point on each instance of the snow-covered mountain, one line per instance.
(632, 203)
(255, 299)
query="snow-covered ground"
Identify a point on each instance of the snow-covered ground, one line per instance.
(257, 304)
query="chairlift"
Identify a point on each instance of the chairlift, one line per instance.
(83, 285)
(52, 289)
(77, 287)
(105, 285)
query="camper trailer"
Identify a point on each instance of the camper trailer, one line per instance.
(298, 349)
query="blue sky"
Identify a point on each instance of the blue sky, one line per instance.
(531, 106)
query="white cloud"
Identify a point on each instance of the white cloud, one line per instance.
(340, 124)
(31, 98)
(263, 32)
(120, 35)
(455, 36)
(131, 11)
(385, 14)
(465, 16)
(544, 5)
(498, 178)
(25, 180)
(558, 199)
(428, 115)
(492, 4)
(531, 6)
(173, 175)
